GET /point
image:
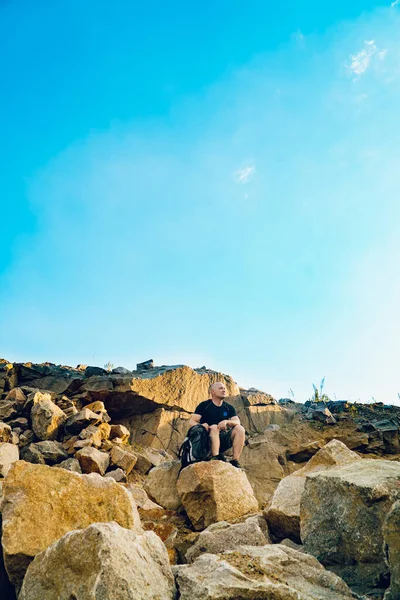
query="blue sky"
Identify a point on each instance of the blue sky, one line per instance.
(204, 183)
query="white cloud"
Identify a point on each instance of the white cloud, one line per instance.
(361, 61)
(244, 175)
(298, 37)
(395, 3)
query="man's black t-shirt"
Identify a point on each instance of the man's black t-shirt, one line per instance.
(213, 414)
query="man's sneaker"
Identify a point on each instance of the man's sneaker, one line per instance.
(236, 463)
(219, 457)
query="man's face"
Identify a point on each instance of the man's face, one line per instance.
(219, 390)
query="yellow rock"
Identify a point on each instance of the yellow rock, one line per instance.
(46, 417)
(176, 386)
(215, 491)
(40, 504)
(123, 458)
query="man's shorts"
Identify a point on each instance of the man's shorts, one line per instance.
(225, 440)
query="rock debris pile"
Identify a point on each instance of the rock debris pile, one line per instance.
(94, 504)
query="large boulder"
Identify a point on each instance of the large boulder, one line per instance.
(161, 485)
(165, 429)
(143, 391)
(161, 429)
(257, 410)
(215, 491)
(103, 562)
(7, 590)
(263, 461)
(283, 514)
(40, 504)
(271, 572)
(342, 514)
(261, 416)
(47, 418)
(391, 532)
(223, 536)
(168, 386)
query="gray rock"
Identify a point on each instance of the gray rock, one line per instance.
(283, 513)
(26, 438)
(223, 536)
(342, 514)
(81, 420)
(140, 497)
(117, 474)
(146, 365)
(7, 410)
(147, 458)
(161, 485)
(121, 371)
(21, 422)
(270, 572)
(32, 455)
(321, 414)
(91, 371)
(71, 464)
(52, 451)
(392, 546)
(304, 452)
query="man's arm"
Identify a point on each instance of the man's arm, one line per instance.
(195, 420)
(232, 422)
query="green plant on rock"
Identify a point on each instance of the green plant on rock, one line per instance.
(109, 366)
(319, 395)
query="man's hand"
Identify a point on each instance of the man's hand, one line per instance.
(206, 426)
(222, 425)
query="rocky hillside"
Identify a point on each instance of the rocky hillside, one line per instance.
(93, 504)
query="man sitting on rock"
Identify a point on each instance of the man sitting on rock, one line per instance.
(221, 421)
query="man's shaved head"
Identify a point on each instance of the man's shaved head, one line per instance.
(217, 390)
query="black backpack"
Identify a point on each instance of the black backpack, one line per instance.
(196, 446)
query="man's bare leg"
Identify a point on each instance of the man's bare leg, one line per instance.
(238, 438)
(215, 443)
